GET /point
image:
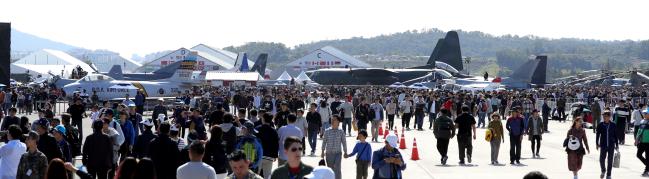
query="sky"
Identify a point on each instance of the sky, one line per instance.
(143, 26)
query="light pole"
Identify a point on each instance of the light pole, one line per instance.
(467, 60)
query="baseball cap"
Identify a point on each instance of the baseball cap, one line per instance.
(147, 122)
(60, 129)
(109, 111)
(250, 126)
(392, 140)
(321, 172)
(42, 122)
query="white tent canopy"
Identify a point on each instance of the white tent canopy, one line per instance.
(46, 60)
(302, 77)
(284, 77)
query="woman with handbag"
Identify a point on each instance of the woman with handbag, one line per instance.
(497, 136)
(575, 143)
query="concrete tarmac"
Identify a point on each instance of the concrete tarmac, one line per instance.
(553, 161)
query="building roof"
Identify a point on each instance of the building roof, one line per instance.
(48, 60)
(221, 62)
(233, 76)
(227, 56)
(343, 56)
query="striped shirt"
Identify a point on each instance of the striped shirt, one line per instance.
(332, 140)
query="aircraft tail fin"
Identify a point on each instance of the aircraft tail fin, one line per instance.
(450, 52)
(435, 54)
(185, 71)
(260, 64)
(169, 69)
(116, 72)
(533, 71)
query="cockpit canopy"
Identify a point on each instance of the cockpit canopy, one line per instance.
(96, 78)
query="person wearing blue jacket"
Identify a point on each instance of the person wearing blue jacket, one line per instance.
(606, 143)
(364, 151)
(250, 145)
(387, 162)
(129, 135)
(515, 125)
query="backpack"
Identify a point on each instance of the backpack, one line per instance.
(230, 139)
(484, 107)
(572, 143)
(250, 149)
(72, 136)
(488, 135)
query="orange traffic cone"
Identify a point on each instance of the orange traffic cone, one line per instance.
(380, 128)
(415, 152)
(385, 134)
(402, 144)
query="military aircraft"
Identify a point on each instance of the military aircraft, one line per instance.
(108, 88)
(446, 56)
(530, 74)
(169, 70)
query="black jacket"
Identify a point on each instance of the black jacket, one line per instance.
(269, 140)
(97, 151)
(164, 154)
(142, 142)
(215, 155)
(47, 144)
(314, 121)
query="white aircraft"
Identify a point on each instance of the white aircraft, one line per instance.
(108, 88)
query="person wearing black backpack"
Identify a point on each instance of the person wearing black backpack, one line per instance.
(71, 135)
(229, 133)
(444, 130)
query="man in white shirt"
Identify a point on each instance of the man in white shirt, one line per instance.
(10, 154)
(195, 168)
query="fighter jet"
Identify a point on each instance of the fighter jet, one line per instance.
(446, 54)
(169, 70)
(108, 88)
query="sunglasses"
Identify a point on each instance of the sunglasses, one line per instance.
(295, 149)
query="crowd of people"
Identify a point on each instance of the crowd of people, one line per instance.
(244, 132)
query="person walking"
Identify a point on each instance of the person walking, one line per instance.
(622, 115)
(294, 167)
(195, 168)
(164, 153)
(215, 152)
(98, 151)
(240, 166)
(465, 123)
(141, 147)
(406, 112)
(420, 113)
(364, 151)
(10, 154)
(497, 136)
(576, 156)
(376, 113)
(287, 131)
(33, 161)
(444, 130)
(515, 126)
(642, 141)
(535, 131)
(313, 127)
(391, 110)
(332, 141)
(607, 143)
(347, 110)
(387, 162)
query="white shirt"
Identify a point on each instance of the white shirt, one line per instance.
(195, 170)
(94, 115)
(10, 158)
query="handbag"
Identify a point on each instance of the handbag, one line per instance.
(616, 159)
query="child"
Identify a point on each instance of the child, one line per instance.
(94, 115)
(364, 157)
